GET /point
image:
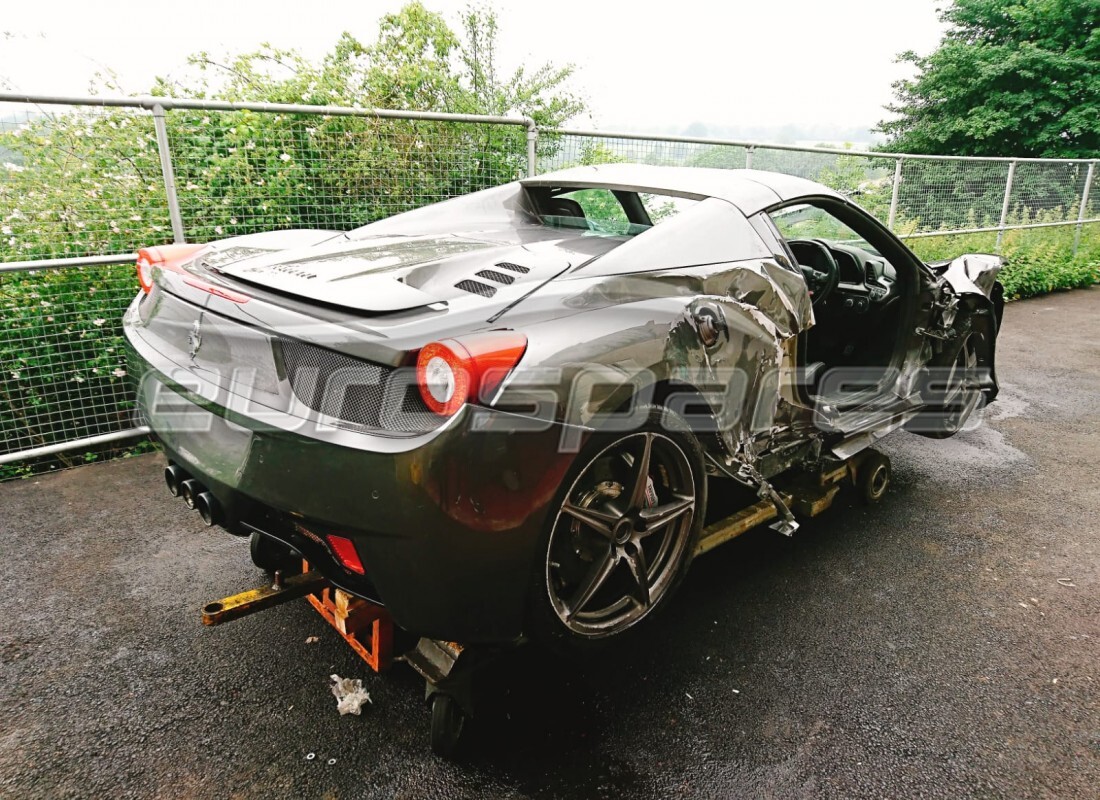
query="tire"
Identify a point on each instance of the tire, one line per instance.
(617, 546)
(874, 477)
(270, 555)
(448, 722)
(956, 400)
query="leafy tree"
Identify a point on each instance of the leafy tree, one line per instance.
(1010, 77)
(539, 93)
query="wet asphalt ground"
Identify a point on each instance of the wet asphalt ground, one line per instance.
(923, 647)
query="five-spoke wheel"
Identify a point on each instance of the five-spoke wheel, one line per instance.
(623, 536)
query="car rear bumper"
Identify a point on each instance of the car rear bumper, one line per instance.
(447, 524)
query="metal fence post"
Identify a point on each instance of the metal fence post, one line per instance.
(894, 194)
(1084, 204)
(1005, 205)
(169, 174)
(748, 156)
(532, 150)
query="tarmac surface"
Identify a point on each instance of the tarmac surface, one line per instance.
(944, 643)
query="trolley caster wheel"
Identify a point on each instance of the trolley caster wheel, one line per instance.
(448, 720)
(270, 555)
(874, 477)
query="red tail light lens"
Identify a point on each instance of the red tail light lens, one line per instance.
(167, 256)
(171, 257)
(453, 371)
(345, 552)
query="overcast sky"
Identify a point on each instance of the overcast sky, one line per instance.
(639, 64)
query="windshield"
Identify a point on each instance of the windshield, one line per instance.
(804, 221)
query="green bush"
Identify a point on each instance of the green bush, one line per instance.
(1039, 260)
(87, 181)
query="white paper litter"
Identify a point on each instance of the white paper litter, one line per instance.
(350, 694)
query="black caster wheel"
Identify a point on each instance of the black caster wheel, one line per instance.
(874, 477)
(448, 720)
(270, 555)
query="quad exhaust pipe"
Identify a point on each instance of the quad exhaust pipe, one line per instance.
(173, 477)
(194, 494)
(189, 490)
(209, 509)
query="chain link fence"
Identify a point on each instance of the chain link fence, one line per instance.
(84, 182)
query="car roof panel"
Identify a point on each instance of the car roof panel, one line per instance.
(751, 191)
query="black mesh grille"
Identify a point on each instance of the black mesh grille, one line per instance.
(499, 277)
(513, 267)
(356, 394)
(476, 287)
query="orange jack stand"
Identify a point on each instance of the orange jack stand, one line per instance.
(365, 626)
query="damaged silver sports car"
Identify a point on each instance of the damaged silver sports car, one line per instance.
(521, 413)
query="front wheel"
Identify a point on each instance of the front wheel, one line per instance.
(953, 394)
(623, 534)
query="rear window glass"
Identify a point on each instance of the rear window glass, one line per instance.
(662, 207)
(603, 212)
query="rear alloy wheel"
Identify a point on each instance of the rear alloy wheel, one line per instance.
(625, 532)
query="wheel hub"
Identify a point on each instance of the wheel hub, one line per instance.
(624, 530)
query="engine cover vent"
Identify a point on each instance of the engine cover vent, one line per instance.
(513, 267)
(476, 287)
(499, 277)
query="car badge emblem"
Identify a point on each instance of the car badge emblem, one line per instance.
(194, 339)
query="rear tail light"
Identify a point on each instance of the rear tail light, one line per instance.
(172, 257)
(452, 372)
(168, 256)
(344, 550)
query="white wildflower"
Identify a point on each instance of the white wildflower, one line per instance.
(6, 230)
(98, 321)
(232, 220)
(119, 372)
(135, 218)
(45, 304)
(284, 157)
(218, 230)
(78, 378)
(15, 375)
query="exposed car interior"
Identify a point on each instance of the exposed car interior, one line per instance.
(856, 292)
